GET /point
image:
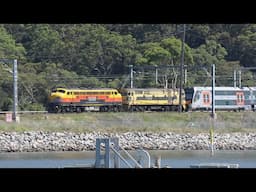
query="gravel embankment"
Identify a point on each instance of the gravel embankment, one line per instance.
(66, 141)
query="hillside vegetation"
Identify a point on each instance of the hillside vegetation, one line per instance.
(100, 55)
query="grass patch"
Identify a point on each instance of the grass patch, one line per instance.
(192, 122)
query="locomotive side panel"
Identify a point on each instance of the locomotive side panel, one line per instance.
(152, 99)
(76, 100)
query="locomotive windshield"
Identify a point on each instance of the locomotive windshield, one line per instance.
(61, 91)
(58, 90)
(197, 95)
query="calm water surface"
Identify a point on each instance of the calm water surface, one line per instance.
(174, 159)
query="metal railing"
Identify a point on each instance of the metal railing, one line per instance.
(112, 144)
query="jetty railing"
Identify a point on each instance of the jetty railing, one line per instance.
(112, 145)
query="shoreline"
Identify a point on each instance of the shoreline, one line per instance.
(39, 141)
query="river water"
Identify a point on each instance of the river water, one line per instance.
(173, 159)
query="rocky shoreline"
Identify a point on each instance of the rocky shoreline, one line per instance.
(66, 141)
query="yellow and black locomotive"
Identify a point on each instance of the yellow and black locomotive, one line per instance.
(79, 100)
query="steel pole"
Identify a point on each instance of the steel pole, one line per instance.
(15, 92)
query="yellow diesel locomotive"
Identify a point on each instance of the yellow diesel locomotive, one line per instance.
(80, 100)
(152, 99)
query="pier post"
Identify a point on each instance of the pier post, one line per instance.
(105, 155)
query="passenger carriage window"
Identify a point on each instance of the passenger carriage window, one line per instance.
(206, 97)
(240, 98)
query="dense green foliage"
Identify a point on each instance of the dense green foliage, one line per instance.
(100, 55)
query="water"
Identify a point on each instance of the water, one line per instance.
(46, 159)
(173, 159)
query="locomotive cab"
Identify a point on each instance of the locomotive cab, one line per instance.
(55, 98)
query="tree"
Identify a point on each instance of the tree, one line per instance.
(245, 45)
(204, 56)
(209, 53)
(43, 44)
(9, 49)
(115, 53)
(144, 33)
(91, 49)
(153, 54)
(150, 55)
(196, 35)
(174, 45)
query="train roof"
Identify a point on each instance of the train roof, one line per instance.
(148, 89)
(249, 88)
(216, 88)
(86, 89)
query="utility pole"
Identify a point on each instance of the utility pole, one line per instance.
(234, 78)
(185, 75)
(213, 91)
(166, 82)
(156, 75)
(131, 75)
(15, 91)
(213, 115)
(181, 67)
(14, 72)
(240, 78)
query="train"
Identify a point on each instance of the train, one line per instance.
(151, 99)
(80, 100)
(226, 98)
(107, 100)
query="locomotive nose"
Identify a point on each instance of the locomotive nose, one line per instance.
(54, 97)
